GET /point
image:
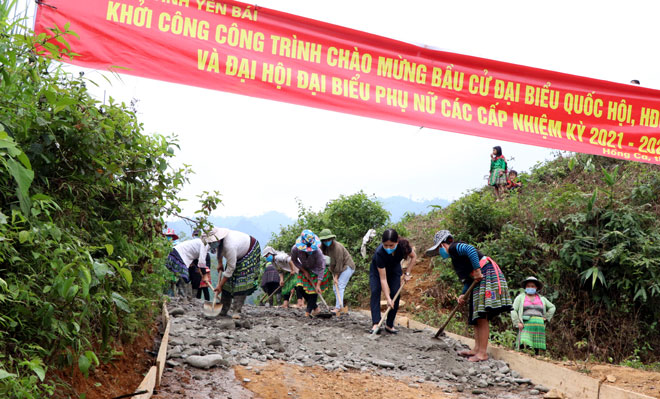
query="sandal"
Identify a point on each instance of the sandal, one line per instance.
(371, 331)
(465, 353)
(391, 330)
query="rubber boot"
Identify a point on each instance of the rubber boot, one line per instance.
(225, 300)
(237, 305)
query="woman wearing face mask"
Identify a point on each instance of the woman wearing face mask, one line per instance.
(490, 296)
(308, 258)
(385, 274)
(239, 277)
(341, 265)
(270, 280)
(287, 272)
(529, 314)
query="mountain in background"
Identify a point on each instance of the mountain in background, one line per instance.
(398, 206)
(260, 227)
(263, 226)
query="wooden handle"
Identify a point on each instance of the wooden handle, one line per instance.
(275, 292)
(467, 294)
(341, 301)
(270, 296)
(387, 311)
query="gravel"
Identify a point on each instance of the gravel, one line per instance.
(337, 344)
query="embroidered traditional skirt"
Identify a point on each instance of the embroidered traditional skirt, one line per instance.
(245, 279)
(175, 264)
(497, 177)
(289, 285)
(533, 334)
(491, 296)
(309, 285)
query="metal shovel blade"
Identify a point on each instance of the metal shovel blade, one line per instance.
(212, 308)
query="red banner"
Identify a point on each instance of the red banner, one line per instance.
(254, 51)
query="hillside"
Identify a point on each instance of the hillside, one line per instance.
(589, 228)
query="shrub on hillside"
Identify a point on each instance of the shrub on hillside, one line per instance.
(83, 192)
(589, 227)
(349, 217)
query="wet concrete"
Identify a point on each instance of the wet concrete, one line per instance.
(337, 345)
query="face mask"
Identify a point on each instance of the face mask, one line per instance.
(443, 253)
(269, 258)
(390, 251)
(327, 243)
(214, 245)
(530, 291)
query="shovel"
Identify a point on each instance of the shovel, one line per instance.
(374, 334)
(327, 314)
(266, 298)
(211, 309)
(467, 294)
(343, 309)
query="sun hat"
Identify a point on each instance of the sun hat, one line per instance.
(308, 241)
(439, 237)
(532, 279)
(171, 233)
(216, 234)
(269, 251)
(326, 234)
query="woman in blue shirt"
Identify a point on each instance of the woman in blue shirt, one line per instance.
(385, 275)
(490, 296)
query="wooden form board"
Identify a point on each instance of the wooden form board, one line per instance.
(155, 373)
(147, 384)
(162, 354)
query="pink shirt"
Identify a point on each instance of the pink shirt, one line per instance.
(535, 302)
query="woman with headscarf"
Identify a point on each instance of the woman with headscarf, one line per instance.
(498, 167)
(386, 275)
(308, 258)
(287, 271)
(239, 277)
(489, 297)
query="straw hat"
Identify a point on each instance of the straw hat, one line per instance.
(534, 280)
(216, 234)
(269, 251)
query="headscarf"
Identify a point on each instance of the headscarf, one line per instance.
(308, 241)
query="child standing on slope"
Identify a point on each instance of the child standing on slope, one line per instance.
(498, 168)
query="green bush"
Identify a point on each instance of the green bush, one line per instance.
(588, 227)
(349, 217)
(83, 194)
